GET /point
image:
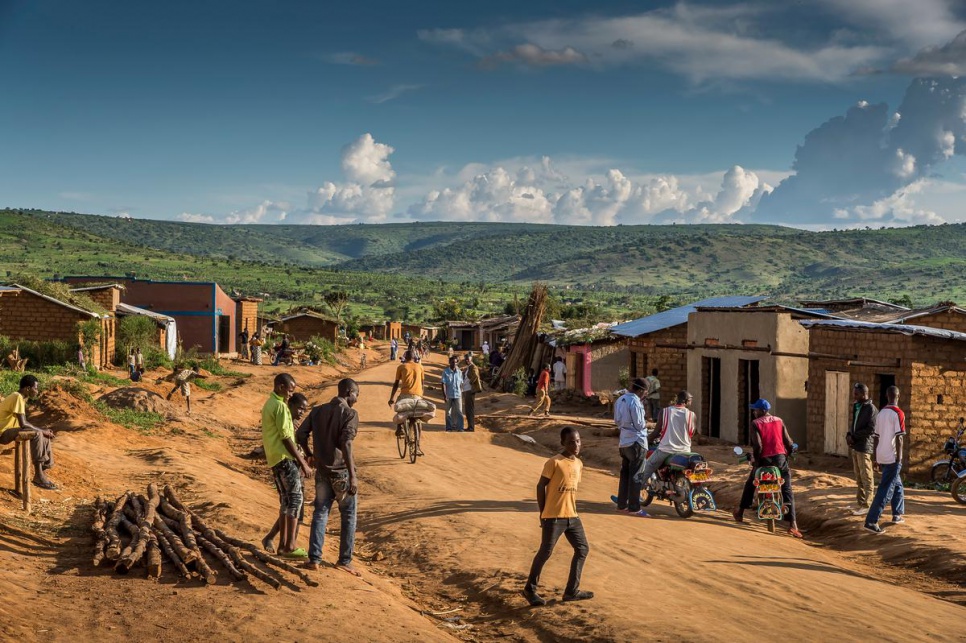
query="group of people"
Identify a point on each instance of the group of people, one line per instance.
(135, 364)
(331, 428)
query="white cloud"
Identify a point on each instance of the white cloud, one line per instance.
(905, 164)
(947, 60)
(915, 23)
(898, 209)
(393, 93)
(700, 42)
(191, 217)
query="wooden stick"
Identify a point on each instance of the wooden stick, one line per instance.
(222, 557)
(135, 551)
(100, 541)
(172, 556)
(186, 555)
(268, 559)
(152, 558)
(113, 551)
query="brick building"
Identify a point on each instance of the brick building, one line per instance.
(927, 364)
(593, 362)
(946, 316)
(656, 341)
(304, 326)
(29, 315)
(393, 329)
(167, 336)
(246, 315)
(204, 313)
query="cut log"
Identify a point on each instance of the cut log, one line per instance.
(236, 556)
(267, 558)
(172, 556)
(100, 535)
(222, 557)
(187, 556)
(135, 551)
(113, 551)
(152, 557)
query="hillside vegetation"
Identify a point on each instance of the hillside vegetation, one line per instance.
(408, 267)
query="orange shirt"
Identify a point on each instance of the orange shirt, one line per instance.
(543, 382)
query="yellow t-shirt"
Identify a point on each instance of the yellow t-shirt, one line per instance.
(12, 407)
(564, 474)
(410, 377)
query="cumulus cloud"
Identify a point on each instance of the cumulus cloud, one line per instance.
(898, 209)
(915, 24)
(947, 60)
(264, 212)
(703, 43)
(869, 158)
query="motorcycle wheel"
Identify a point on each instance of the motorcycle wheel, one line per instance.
(683, 486)
(647, 498)
(958, 489)
(942, 473)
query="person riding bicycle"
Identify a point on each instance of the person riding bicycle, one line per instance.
(771, 445)
(409, 382)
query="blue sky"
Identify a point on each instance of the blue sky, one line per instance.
(557, 112)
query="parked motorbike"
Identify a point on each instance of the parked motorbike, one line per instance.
(768, 503)
(958, 488)
(946, 471)
(681, 481)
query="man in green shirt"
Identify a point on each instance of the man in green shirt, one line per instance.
(287, 463)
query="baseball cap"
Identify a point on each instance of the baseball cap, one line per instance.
(761, 404)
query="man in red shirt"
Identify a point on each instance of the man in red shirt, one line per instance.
(543, 392)
(770, 444)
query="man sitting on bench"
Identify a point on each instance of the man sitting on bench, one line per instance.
(13, 420)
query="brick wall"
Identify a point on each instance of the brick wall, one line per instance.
(109, 298)
(304, 328)
(671, 363)
(947, 320)
(247, 317)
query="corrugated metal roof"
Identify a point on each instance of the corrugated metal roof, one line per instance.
(128, 309)
(308, 313)
(904, 329)
(679, 315)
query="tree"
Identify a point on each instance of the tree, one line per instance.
(337, 300)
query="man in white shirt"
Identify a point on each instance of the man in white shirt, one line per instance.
(559, 374)
(629, 416)
(675, 428)
(890, 429)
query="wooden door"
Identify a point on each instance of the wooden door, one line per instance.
(837, 407)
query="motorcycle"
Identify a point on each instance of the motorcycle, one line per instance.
(958, 488)
(946, 471)
(680, 481)
(769, 506)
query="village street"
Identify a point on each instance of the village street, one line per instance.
(444, 546)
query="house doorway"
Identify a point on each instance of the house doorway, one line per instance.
(224, 334)
(883, 381)
(748, 392)
(711, 395)
(838, 401)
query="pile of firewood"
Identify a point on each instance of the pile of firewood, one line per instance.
(526, 340)
(138, 529)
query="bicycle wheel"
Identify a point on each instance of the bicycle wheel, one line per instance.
(401, 442)
(413, 434)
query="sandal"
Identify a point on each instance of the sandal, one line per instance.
(45, 484)
(297, 553)
(794, 533)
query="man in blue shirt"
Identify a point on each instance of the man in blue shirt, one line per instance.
(630, 417)
(453, 390)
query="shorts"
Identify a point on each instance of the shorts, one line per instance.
(288, 481)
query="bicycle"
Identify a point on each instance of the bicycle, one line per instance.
(408, 441)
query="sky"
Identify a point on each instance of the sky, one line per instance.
(820, 114)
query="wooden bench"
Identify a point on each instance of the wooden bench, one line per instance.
(21, 469)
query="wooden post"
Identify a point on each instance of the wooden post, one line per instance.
(22, 467)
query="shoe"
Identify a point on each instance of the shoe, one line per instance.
(640, 513)
(535, 600)
(898, 520)
(45, 484)
(419, 452)
(470, 430)
(297, 554)
(579, 595)
(795, 533)
(860, 511)
(875, 529)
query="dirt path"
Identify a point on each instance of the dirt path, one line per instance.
(465, 519)
(444, 546)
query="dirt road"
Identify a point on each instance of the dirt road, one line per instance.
(465, 518)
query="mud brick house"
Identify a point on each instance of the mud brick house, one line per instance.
(29, 315)
(858, 308)
(393, 329)
(466, 334)
(594, 358)
(945, 315)
(927, 364)
(737, 355)
(107, 296)
(246, 315)
(495, 330)
(204, 313)
(305, 325)
(377, 329)
(655, 341)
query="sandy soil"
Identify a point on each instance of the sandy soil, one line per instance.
(445, 544)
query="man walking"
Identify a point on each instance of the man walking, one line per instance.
(559, 374)
(557, 500)
(393, 349)
(453, 390)
(860, 440)
(890, 431)
(13, 420)
(654, 395)
(471, 386)
(333, 426)
(770, 445)
(543, 393)
(675, 428)
(243, 339)
(630, 417)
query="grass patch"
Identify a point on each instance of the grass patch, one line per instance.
(205, 385)
(215, 367)
(141, 421)
(96, 377)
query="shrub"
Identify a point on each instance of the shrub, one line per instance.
(40, 354)
(136, 331)
(520, 382)
(320, 350)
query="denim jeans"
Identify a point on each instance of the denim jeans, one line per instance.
(890, 490)
(780, 461)
(631, 482)
(324, 497)
(552, 529)
(454, 414)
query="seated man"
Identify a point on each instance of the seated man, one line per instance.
(409, 382)
(13, 420)
(674, 430)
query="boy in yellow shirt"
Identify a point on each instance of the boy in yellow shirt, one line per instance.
(557, 499)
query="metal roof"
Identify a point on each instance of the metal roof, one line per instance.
(679, 315)
(128, 309)
(904, 329)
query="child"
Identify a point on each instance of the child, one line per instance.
(181, 378)
(298, 406)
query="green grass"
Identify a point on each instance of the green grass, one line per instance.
(141, 421)
(205, 385)
(215, 367)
